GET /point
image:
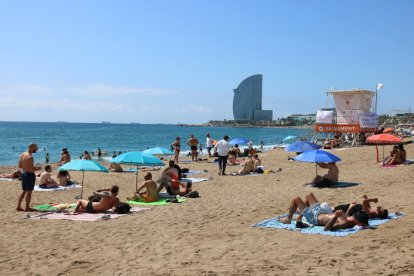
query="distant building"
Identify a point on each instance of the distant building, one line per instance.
(247, 101)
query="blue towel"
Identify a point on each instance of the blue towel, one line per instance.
(340, 185)
(275, 223)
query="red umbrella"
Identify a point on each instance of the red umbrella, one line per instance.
(383, 139)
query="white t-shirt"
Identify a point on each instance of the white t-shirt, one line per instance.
(209, 142)
(222, 148)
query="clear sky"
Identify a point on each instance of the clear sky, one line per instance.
(164, 61)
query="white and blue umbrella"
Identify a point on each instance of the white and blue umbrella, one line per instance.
(158, 151)
(302, 146)
(83, 165)
(137, 158)
(238, 141)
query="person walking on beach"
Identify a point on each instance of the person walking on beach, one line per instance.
(177, 148)
(193, 142)
(26, 164)
(201, 149)
(222, 149)
(209, 144)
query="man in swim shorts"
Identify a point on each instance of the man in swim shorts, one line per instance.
(26, 164)
(193, 142)
(151, 193)
(107, 201)
(329, 179)
(321, 214)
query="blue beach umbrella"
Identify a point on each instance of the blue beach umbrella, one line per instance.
(239, 141)
(83, 165)
(158, 151)
(317, 156)
(137, 158)
(302, 146)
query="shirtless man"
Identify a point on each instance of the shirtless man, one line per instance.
(193, 142)
(107, 202)
(151, 193)
(321, 214)
(65, 158)
(329, 179)
(26, 163)
(14, 175)
(257, 163)
(248, 166)
(46, 180)
(378, 212)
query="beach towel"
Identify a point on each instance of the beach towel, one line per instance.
(86, 216)
(249, 174)
(388, 166)
(52, 207)
(8, 179)
(159, 202)
(340, 184)
(275, 223)
(60, 188)
(191, 172)
(193, 180)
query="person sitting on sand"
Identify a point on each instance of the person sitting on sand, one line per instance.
(248, 166)
(321, 214)
(257, 164)
(353, 208)
(151, 193)
(395, 157)
(65, 158)
(17, 174)
(107, 201)
(329, 179)
(231, 160)
(86, 155)
(237, 150)
(403, 153)
(170, 181)
(115, 167)
(332, 143)
(63, 178)
(46, 179)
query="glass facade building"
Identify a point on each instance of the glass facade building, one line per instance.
(247, 101)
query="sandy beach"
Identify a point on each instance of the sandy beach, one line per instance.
(213, 234)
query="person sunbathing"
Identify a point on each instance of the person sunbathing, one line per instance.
(107, 201)
(329, 179)
(169, 180)
(14, 175)
(151, 193)
(353, 208)
(63, 178)
(395, 157)
(231, 160)
(321, 214)
(257, 164)
(46, 179)
(248, 166)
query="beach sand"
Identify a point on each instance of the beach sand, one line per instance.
(213, 235)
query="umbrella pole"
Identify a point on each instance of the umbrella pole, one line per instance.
(136, 180)
(376, 148)
(316, 168)
(83, 176)
(383, 152)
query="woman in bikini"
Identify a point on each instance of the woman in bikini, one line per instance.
(177, 148)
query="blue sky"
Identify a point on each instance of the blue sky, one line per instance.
(179, 61)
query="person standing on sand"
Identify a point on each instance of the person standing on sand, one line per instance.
(26, 163)
(209, 144)
(222, 149)
(193, 142)
(177, 148)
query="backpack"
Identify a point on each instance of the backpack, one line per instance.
(193, 194)
(123, 208)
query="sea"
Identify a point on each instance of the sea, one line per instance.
(111, 138)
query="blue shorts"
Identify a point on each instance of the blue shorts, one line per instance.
(28, 181)
(311, 213)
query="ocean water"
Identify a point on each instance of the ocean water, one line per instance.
(77, 137)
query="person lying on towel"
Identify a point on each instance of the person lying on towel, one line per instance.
(321, 214)
(107, 201)
(151, 190)
(378, 212)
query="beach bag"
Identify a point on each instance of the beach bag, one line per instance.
(122, 208)
(193, 194)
